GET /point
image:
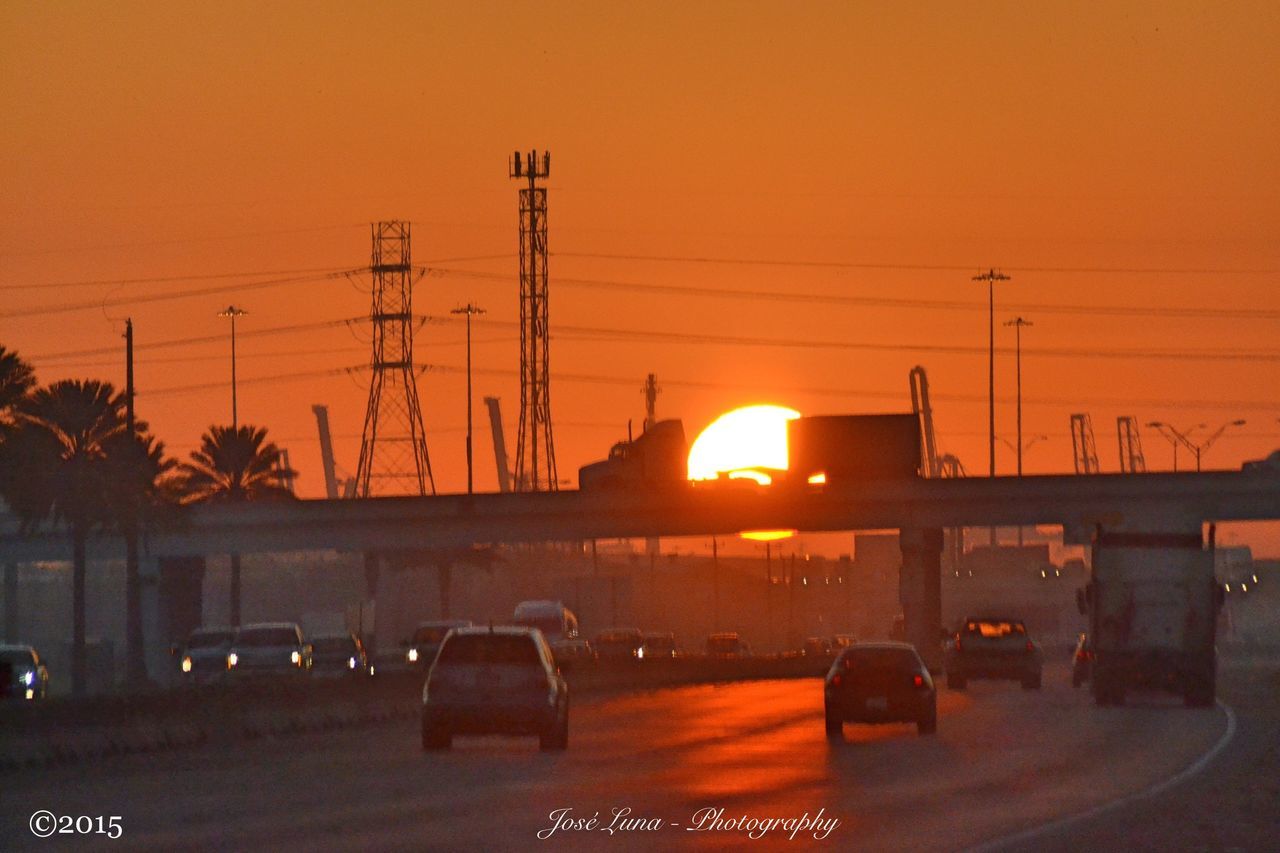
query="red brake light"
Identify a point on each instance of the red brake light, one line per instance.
(919, 680)
(836, 679)
(1031, 647)
(958, 644)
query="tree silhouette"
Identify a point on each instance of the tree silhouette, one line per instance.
(16, 381)
(57, 467)
(235, 464)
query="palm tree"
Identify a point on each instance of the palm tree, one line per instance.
(235, 464)
(56, 466)
(16, 381)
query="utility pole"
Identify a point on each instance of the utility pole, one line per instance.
(233, 312)
(135, 660)
(991, 277)
(470, 310)
(1017, 324)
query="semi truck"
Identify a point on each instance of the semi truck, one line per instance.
(657, 458)
(1152, 602)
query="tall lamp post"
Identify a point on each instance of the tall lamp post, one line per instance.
(470, 310)
(991, 277)
(1184, 439)
(233, 312)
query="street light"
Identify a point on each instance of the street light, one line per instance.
(469, 310)
(1183, 438)
(991, 277)
(1018, 323)
(233, 312)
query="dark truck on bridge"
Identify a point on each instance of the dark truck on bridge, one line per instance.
(1152, 603)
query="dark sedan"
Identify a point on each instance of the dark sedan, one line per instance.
(880, 683)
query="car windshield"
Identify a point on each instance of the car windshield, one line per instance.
(268, 637)
(333, 645)
(16, 657)
(986, 628)
(880, 659)
(549, 625)
(209, 639)
(489, 649)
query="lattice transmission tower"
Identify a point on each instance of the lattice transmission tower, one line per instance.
(535, 451)
(393, 447)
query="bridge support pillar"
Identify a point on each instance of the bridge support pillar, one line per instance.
(10, 602)
(920, 592)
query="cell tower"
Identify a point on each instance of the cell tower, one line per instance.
(535, 451)
(393, 448)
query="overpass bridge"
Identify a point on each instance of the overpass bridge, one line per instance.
(919, 508)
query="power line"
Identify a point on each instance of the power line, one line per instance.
(104, 282)
(1198, 313)
(949, 267)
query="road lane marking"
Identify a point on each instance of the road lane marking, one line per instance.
(1061, 824)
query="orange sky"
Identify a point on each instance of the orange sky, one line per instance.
(915, 144)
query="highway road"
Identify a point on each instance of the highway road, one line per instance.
(1004, 760)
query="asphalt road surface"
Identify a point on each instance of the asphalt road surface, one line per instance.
(1004, 760)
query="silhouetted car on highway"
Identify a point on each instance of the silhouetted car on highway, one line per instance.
(879, 683)
(1082, 661)
(619, 645)
(339, 654)
(658, 646)
(993, 647)
(727, 645)
(204, 656)
(496, 680)
(269, 649)
(24, 676)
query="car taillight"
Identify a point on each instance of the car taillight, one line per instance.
(959, 645)
(836, 680)
(1031, 647)
(918, 680)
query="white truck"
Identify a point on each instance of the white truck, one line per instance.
(1152, 603)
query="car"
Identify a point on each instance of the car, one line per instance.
(203, 658)
(1082, 661)
(495, 680)
(883, 682)
(619, 645)
(843, 641)
(657, 646)
(269, 648)
(816, 647)
(22, 675)
(993, 647)
(727, 645)
(339, 654)
(421, 648)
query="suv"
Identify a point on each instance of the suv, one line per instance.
(275, 648)
(495, 681)
(993, 647)
(880, 683)
(204, 657)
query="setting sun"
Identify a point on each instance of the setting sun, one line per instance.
(743, 444)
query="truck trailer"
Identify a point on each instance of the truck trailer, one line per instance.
(1152, 602)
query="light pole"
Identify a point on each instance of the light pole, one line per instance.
(233, 312)
(1185, 440)
(470, 310)
(991, 277)
(1017, 324)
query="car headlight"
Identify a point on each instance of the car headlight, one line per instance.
(295, 658)
(232, 660)
(640, 653)
(413, 655)
(351, 663)
(186, 664)
(29, 677)
(31, 694)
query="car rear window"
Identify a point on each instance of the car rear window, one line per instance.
(880, 659)
(986, 628)
(489, 649)
(548, 625)
(209, 639)
(268, 637)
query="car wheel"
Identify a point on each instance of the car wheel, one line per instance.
(435, 736)
(928, 724)
(835, 726)
(955, 681)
